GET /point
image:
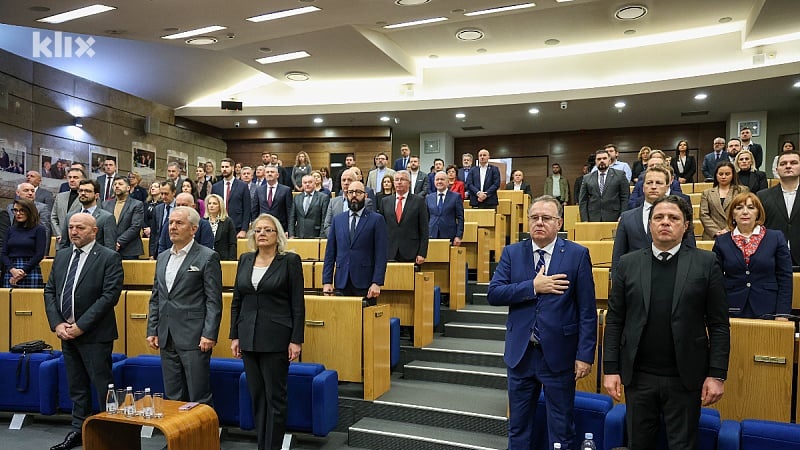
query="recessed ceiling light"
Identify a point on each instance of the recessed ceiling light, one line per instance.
(724, 19)
(533, 111)
(500, 9)
(415, 22)
(460, 115)
(297, 76)
(410, 2)
(552, 42)
(631, 12)
(202, 40)
(619, 105)
(469, 34)
(283, 57)
(701, 96)
(318, 120)
(252, 121)
(77, 14)
(284, 13)
(796, 84)
(563, 1)
(385, 118)
(190, 33)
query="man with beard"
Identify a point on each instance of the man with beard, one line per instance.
(88, 192)
(339, 204)
(604, 192)
(357, 248)
(556, 185)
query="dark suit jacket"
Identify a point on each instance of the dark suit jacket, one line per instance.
(362, 261)
(422, 186)
(102, 181)
(97, 291)
(282, 204)
(45, 196)
(577, 191)
(308, 224)
(449, 222)
(106, 228)
(757, 181)
(607, 207)
(203, 236)
(269, 317)
(225, 240)
(568, 325)
(777, 218)
(765, 283)
(156, 227)
(398, 164)
(239, 207)
(129, 227)
(636, 198)
(490, 186)
(710, 163)
(193, 308)
(699, 319)
(631, 235)
(757, 151)
(689, 169)
(409, 237)
(526, 188)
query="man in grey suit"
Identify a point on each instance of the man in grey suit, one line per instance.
(185, 310)
(308, 213)
(419, 179)
(80, 295)
(604, 192)
(339, 204)
(28, 191)
(129, 216)
(66, 202)
(42, 195)
(106, 225)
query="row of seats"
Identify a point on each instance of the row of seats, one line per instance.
(41, 387)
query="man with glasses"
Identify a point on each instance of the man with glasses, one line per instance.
(406, 222)
(88, 191)
(547, 284)
(711, 160)
(356, 248)
(339, 204)
(376, 175)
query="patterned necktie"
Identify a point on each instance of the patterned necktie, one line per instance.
(69, 284)
(602, 182)
(306, 203)
(269, 197)
(539, 265)
(353, 226)
(664, 256)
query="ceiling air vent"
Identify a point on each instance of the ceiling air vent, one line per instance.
(472, 128)
(694, 113)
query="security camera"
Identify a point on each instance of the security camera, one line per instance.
(237, 124)
(563, 105)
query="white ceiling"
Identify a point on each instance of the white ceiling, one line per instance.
(423, 75)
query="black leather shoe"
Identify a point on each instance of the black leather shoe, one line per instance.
(73, 439)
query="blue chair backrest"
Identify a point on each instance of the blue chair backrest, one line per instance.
(590, 417)
(767, 435)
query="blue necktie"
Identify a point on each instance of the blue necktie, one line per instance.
(539, 265)
(66, 297)
(353, 227)
(441, 202)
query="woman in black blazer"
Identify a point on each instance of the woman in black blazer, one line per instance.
(748, 175)
(222, 226)
(683, 164)
(267, 320)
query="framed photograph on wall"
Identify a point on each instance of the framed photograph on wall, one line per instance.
(754, 125)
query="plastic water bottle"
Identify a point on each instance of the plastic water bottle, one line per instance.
(148, 404)
(588, 442)
(130, 406)
(111, 400)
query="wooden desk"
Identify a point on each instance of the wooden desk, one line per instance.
(139, 273)
(519, 207)
(448, 265)
(410, 296)
(595, 231)
(308, 249)
(796, 295)
(5, 319)
(476, 243)
(137, 307)
(695, 198)
(600, 252)
(196, 429)
(572, 215)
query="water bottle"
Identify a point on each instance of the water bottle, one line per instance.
(588, 442)
(148, 404)
(111, 400)
(130, 406)
(557, 446)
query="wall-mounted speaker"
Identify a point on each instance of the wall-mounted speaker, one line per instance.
(151, 125)
(231, 106)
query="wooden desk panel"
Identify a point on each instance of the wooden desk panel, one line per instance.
(223, 347)
(308, 275)
(458, 277)
(139, 273)
(498, 234)
(46, 265)
(602, 283)
(318, 266)
(5, 319)
(308, 249)
(136, 310)
(595, 231)
(483, 217)
(399, 277)
(333, 335)
(796, 296)
(323, 246)
(695, 198)
(241, 247)
(705, 245)
(438, 251)
(572, 215)
(228, 273)
(698, 228)
(482, 256)
(470, 232)
(377, 351)
(600, 252)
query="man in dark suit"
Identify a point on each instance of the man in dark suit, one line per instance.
(106, 234)
(419, 179)
(578, 183)
(204, 235)
(547, 284)
(339, 204)
(711, 160)
(438, 166)
(657, 158)
(667, 338)
(466, 166)
(174, 175)
(401, 163)
(273, 198)
(236, 195)
(42, 195)
(356, 248)
(406, 222)
(80, 295)
(633, 231)
(309, 211)
(446, 212)
(483, 182)
(106, 181)
(160, 219)
(129, 216)
(349, 161)
(66, 202)
(604, 192)
(775, 199)
(185, 310)
(746, 135)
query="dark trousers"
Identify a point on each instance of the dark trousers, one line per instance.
(524, 385)
(650, 398)
(87, 364)
(187, 373)
(351, 291)
(266, 378)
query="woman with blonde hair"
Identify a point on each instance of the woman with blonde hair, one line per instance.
(302, 167)
(222, 227)
(641, 162)
(750, 176)
(318, 183)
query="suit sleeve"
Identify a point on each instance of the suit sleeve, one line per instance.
(289, 205)
(621, 246)
(690, 169)
(212, 289)
(137, 218)
(783, 273)
(326, 224)
(706, 168)
(495, 182)
(583, 202)
(297, 298)
(153, 308)
(502, 290)
(292, 220)
(112, 276)
(330, 255)
(459, 218)
(51, 292)
(587, 309)
(255, 205)
(422, 229)
(624, 193)
(236, 303)
(636, 197)
(230, 241)
(54, 224)
(380, 242)
(717, 322)
(471, 185)
(615, 319)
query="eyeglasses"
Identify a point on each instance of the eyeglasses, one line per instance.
(543, 218)
(19, 211)
(264, 230)
(355, 193)
(86, 191)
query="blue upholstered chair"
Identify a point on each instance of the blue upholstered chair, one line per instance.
(54, 390)
(20, 381)
(707, 436)
(759, 435)
(590, 417)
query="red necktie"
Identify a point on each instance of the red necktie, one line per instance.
(269, 197)
(227, 193)
(398, 211)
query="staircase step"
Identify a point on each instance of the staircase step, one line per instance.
(465, 374)
(478, 298)
(458, 351)
(387, 435)
(475, 287)
(486, 314)
(475, 330)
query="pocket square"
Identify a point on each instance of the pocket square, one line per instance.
(193, 269)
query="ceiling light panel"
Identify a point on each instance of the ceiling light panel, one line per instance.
(77, 14)
(283, 57)
(284, 13)
(415, 22)
(500, 9)
(190, 33)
